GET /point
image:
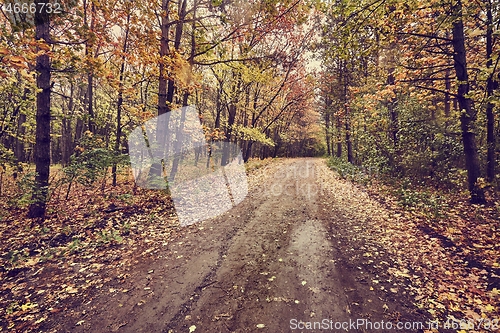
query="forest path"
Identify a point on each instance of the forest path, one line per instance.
(290, 252)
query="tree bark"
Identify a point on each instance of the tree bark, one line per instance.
(21, 131)
(490, 88)
(347, 115)
(156, 169)
(467, 112)
(339, 137)
(179, 28)
(447, 102)
(391, 106)
(66, 139)
(164, 50)
(119, 102)
(185, 99)
(327, 132)
(89, 97)
(42, 136)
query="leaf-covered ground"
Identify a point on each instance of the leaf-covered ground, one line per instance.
(444, 261)
(447, 250)
(44, 265)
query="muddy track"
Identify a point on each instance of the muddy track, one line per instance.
(286, 254)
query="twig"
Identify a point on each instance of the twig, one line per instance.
(208, 284)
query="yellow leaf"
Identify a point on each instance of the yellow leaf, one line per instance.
(475, 33)
(489, 308)
(31, 262)
(16, 62)
(28, 306)
(44, 46)
(16, 59)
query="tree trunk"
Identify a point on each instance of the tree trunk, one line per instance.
(229, 132)
(66, 142)
(347, 115)
(42, 138)
(177, 43)
(391, 106)
(327, 133)
(248, 151)
(90, 76)
(185, 98)
(119, 102)
(339, 137)
(164, 50)
(156, 169)
(447, 102)
(328, 103)
(21, 131)
(467, 113)
(490, 88)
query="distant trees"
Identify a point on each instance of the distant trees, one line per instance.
(100, 69)
(421, 77)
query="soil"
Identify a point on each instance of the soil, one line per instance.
(290, 253)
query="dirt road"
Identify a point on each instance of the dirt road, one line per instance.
(291, 254)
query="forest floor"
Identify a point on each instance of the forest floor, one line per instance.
(304, 247)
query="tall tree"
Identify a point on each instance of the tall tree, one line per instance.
(42, 137)
(119, 102)
(468, 114)
(89, 54)
(491, 86)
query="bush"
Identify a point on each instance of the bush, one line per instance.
(431, 203)
(350, 171)
(89, 163)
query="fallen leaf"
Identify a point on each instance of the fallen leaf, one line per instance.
(489, 308)
(71, 290)
(28, 306)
